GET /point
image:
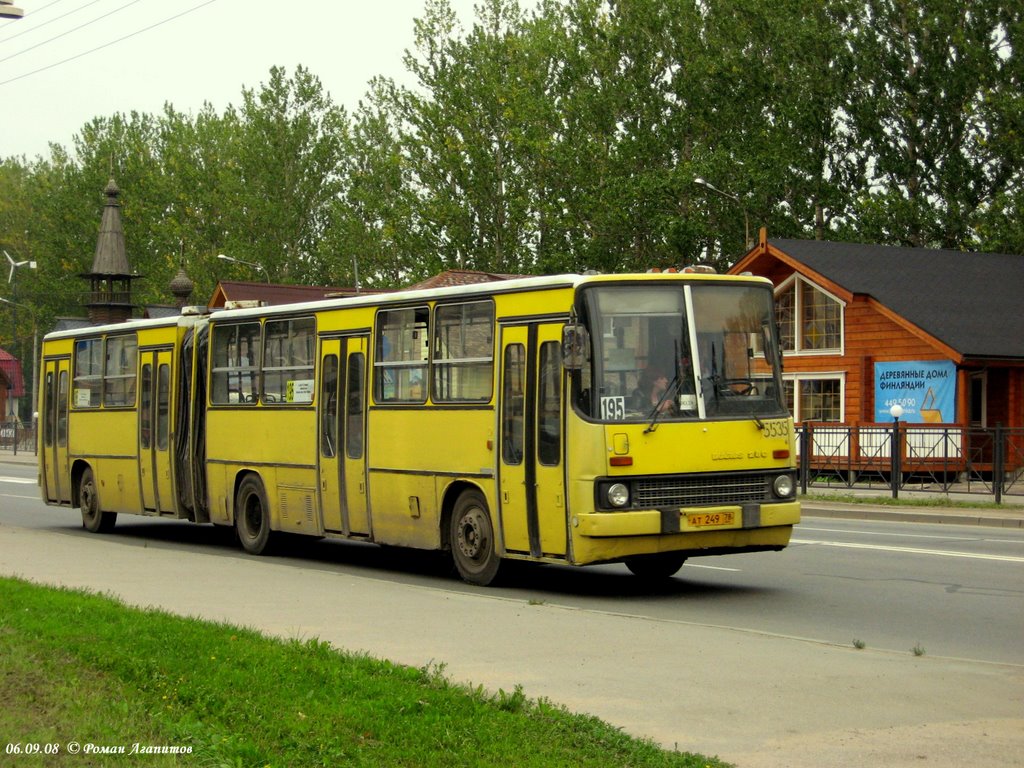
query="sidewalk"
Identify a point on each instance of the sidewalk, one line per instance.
(817, 504)
(22, 457)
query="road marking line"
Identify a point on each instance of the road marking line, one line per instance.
(911, 550)
(886, 533)
(712, 567)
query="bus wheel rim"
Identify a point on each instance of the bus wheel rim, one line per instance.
(472, 538)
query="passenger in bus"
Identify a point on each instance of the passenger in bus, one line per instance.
(649, 392)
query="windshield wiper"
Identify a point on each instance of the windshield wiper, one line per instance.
(673, 385)
(656, 412)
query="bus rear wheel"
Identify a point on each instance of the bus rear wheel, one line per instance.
(252, 516)
(94, 519)
(656, 567)
(472, 540)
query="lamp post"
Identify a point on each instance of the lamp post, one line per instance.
(896, 473)
(14, 302)
(253, 264)
(729, 196)
(8, 11)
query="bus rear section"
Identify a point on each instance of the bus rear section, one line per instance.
(107, 405)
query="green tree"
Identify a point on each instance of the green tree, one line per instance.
(284, 172)
(923, 72)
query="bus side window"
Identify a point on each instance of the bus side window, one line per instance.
(549, 404)
(513, 404)
(62, 410)
(119, 372)
(163, 407)
(288, 361)
(88, 373)
(329, 407)
(402, 353)
(235, 364)
(355, 398)
(50, 412)
(146, 407)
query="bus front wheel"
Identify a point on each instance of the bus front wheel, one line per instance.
(94, 519)
(657, 567)
(472, 540)
(252, 516)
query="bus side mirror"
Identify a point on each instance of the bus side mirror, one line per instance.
(575, 347)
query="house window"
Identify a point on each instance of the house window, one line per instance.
(977, 399)
(815, 398)
(810, 320)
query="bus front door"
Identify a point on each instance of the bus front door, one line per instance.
(155, 431)
(54, 448)
(341, 409)
(532, 486)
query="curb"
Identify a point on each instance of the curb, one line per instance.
(935, 516)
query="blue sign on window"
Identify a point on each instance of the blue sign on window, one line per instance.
(926, 390)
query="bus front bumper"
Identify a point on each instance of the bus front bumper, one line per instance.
(687, 520)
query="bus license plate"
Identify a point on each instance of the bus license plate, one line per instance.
(709, 519)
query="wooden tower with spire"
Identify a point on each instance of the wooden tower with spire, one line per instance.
(110, 282)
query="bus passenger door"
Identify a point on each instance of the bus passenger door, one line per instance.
(354, 433)
(342, 434)
(155, 431)
(54, 452)
(531, 484)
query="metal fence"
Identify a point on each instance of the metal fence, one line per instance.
(16, 438)
(933, 458)
(937, 459)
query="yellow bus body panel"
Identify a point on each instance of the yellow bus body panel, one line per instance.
(414, 456)
(280, 446)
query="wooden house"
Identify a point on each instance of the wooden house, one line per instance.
(939, 333)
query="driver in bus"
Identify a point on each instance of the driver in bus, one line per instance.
(650, 389)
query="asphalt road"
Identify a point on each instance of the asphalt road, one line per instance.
(750, 657)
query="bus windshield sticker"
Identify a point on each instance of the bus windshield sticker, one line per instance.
(613, 408)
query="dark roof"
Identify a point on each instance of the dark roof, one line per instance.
(973, 302)
(110, 258)
(272, 293)
(155, 311)
(461, 277)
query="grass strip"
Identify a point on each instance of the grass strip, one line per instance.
(888, 501)
(85, 668)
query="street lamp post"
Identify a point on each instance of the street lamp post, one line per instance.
(896, 472)
(729, 196)
(15, 265)
(8, 11)
(253, 264)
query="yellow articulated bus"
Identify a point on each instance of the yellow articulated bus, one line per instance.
(568, 419)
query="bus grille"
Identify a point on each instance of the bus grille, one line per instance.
(703, 490)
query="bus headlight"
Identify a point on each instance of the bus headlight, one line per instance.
(618, 495)
(783, 486)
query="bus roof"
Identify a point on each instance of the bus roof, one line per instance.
(516, 285)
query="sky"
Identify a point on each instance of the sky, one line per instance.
(68, 61)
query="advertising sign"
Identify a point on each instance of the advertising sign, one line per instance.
(925, 389)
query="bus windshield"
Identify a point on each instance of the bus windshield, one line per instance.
(679, 351)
